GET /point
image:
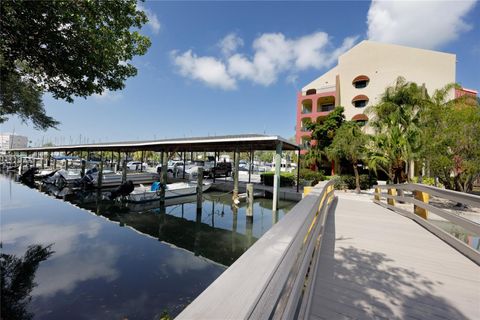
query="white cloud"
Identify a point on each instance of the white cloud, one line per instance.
(153, 22)
(424, 24)
(230, 44)
(206, 69)
(273, 54)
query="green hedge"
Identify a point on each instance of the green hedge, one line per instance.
(426, 180)
(286, 179)
(310, 177)
(348, 182)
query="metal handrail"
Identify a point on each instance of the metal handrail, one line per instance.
(422, 207)
(268, 280)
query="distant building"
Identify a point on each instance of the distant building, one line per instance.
(11, 141)
(362, 75)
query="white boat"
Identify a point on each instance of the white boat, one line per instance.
(173, 190)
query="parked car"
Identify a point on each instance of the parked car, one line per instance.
(221, 169)
(136, 165)
(172, 165)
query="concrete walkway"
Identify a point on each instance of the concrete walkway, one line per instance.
(376, 264)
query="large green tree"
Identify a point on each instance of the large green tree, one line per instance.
(349, 143)
(451, 135)
(68, 48)
(323, 133)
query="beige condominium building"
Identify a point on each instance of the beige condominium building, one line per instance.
(361, 76)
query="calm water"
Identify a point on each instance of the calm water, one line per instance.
(114, 261)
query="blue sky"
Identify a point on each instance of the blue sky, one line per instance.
(219, 68)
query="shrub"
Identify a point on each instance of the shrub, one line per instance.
(348, 182)
(313, 177)
(286, 179)
(429, 181)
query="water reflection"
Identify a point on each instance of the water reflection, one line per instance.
(17, 280)
(105, 270)
(221, 232)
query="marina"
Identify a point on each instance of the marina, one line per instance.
(178, 251)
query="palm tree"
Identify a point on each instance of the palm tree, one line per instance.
(396, 121)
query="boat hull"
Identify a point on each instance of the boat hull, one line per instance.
(174, 190)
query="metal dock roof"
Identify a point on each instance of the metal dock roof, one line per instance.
(243, 142)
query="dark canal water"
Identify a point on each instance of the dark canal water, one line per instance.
(114, 261)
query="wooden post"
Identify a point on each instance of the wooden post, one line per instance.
(82, 172)
(34, 162)
(298, 170)
(43, 160)
(124, 171)
(235, 177)
(118, 159)
(100, 172)
(392, 192)
(163, 178)
(250, 166)
(306, 191)
(199, 189)
(214, 165)
(184, 162)
(141, 160)
(276, 178)
(377, 194)
(20, 169)
(54, 164)
(250, 199)
(424, 197)
(49, 159)
(66, 164)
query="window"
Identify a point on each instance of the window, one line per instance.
(360, 84)
(360, 103)
(360, 81)
(311, 91)
(326, 107)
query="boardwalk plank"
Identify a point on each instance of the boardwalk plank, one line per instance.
(375, 263)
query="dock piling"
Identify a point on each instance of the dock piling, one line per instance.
(199, 189)
(250, 200)
(100, 172)
(163, 177)
(276, 178)
(235, 177)
(82, 172)
(124, 171)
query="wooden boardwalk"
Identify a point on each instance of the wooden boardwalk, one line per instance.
(377, 264)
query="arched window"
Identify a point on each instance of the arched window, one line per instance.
(360, 101)
(360, 82)
(311, 91)
(360, 118)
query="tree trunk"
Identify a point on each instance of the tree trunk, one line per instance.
(357, 177)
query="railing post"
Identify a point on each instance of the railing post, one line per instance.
(392, 192)
(306, 191)
(377, 194)
(424, 197)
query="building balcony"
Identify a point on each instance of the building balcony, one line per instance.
(460, 92)
(320, 90)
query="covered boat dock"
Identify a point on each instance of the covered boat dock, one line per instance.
(229, 143)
